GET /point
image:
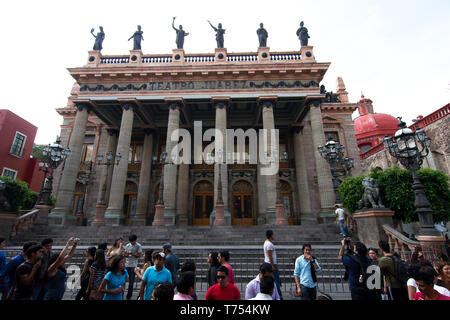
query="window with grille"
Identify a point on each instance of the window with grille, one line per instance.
(9, 173)
(18, 144)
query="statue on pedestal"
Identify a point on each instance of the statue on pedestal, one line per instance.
(137, 36)
(302, 34)
(98, 39)
(371, 195)
(180, 34)
(262, 35)
(219, 34)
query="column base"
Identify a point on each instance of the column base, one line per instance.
(271, 215)
(170, 216)
(159, 216)
(59, 217)
(280, 215)
(220, 215)
(42, 218)
(370, 225)
(226, 216)
(114, 217)
(99, 219)
(138, 220)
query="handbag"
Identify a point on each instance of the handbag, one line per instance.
(95, 294)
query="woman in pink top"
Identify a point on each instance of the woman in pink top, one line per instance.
(224, 257)
(425, 281)
(185, 286)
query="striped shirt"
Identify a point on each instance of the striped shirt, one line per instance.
(99, 274)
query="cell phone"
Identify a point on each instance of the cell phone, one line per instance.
(76, 239)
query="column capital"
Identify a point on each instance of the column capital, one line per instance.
(175, 103)
(83, 105)
(112, 132)
(220, 103)
(149, 131)
(127, 105)
(267, 102)
(314, 102)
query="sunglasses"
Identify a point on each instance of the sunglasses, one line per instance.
(221, 277)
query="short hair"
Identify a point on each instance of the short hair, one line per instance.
(269, 233)
(425, 274)
(103, 246)
(384, 246)
(265, 267)
(132, 238)
(188, 266)
(374, 250)
(46, 242)
(27, 246)
(225, 255)
(361, 248)
(306, 245)
(33, 249)
(266, 285)
(223, 269)
(163, 291)
(186, 281)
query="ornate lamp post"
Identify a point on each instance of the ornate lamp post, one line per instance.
(333, 153)
(159, 207)
(54, 155)
(279, 205)
(108, 160)
(410, 148)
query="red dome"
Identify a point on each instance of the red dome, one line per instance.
(377, 123)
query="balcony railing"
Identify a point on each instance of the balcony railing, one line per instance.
(24, 223)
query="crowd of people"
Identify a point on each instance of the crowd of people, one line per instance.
(38, 273)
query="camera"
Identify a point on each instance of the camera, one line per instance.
(76, 240)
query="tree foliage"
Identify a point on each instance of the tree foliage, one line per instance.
(18, 196)
(398, 195)
(37, 151)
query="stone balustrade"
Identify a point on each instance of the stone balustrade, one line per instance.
(115, 60)
(24, 222)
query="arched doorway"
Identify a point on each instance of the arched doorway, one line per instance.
(242, 195)
(130, 200)
(286, 196)
(203, 203)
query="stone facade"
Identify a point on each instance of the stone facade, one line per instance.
(133, 106)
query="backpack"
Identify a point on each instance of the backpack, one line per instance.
(362, 291)
(400, 270)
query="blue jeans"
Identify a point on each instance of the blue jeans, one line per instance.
(39, 291)
(276, 278)
(131, 277)
(343, 228)
(308, 293)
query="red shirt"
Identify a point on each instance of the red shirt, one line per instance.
(419, 296)
(230, 273)
(216, 292)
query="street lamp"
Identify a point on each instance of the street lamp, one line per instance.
(333, 153)
(53, 156)
(410, 148)
(158, 220)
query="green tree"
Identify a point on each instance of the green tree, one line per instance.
(37, 151)
(15, 192)
(397, 194)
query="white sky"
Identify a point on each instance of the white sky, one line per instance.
(395, 52)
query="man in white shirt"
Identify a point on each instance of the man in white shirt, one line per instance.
(266, 289)
(270, 256)
(133, 251)
(340, 214)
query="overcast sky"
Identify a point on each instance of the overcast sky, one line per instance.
(395, 52)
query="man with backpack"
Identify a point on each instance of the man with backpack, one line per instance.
(395, 273)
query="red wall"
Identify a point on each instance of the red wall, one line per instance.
(9, 124)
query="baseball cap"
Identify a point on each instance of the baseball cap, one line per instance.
(161, 254)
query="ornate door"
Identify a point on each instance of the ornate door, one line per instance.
(203, 203)
(286, 196)
(130, 199)
(242, 207)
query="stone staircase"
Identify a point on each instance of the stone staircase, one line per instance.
(195, 243)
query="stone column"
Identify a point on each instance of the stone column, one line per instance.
(306, 215)
(183, 195)
(144, 181)
(221, 124)
(323, 170)
(351, 147)
(114, 212)
(62, 213)
(262, 208)
(170, 169)
(270, 180)
(105, 179)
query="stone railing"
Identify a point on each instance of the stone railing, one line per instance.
(400, 243)
(285, 56)
(199, 58)
(157, 59)
(242, 57)
(115, 60)
(24, 222)
(435, 116)
(372, 151)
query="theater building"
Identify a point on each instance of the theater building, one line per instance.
(132, 104)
